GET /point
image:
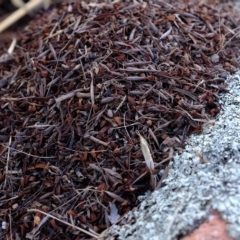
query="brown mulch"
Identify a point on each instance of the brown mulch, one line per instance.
(82, 81)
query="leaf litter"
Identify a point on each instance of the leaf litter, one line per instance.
(95, 99)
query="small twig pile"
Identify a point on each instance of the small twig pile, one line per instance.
(84, 86)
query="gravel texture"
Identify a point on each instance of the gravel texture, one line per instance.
(193, 188)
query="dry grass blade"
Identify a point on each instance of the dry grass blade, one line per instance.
(94, 235)
(12, 46)
(7, 163)
(146, 152)
(115, 196)
(22, 11)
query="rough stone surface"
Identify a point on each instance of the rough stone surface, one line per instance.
(193, 188)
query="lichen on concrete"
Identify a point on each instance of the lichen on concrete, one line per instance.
(193, 188)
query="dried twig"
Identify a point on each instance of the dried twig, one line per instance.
(22, 11)
(7, 163)
(92, 234)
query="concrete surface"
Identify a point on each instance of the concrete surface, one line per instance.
(192, 188)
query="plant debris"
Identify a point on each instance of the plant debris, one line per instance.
(82, 85)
